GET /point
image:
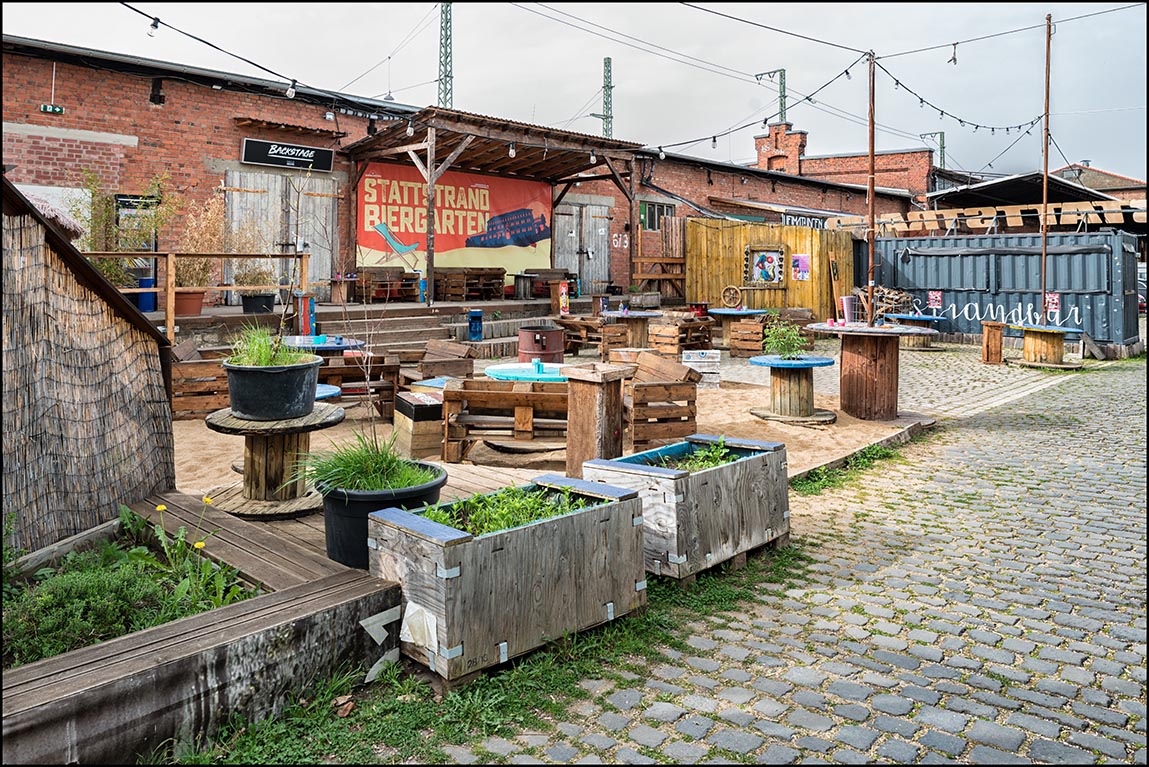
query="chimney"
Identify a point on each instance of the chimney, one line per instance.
(1086, 162)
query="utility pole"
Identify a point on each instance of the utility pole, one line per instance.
(607, 115)
(1045, 164)
(446, 68)
(870, 225)
(941, 136)
(781, 89)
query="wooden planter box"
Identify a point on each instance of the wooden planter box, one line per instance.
(694, 521)
(647, 300)
(471, 603)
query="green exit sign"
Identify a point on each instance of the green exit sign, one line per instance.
(52, 109)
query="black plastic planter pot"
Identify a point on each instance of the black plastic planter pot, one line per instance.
(345, 513)
(257, 304)
(273, 393)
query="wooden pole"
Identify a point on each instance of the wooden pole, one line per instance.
(594, 413)
(1045, 165)
(870, 225)
(430, 296)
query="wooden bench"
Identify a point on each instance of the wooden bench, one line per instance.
(598, 332)
(458, 283)
(524, 410)
(387, 283)
(676, 332)
(541, 280)
(660, 402)
(370, 377)
(437, 358)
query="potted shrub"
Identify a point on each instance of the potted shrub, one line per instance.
(783, 339)
(254, 272)
(705, 500)
(192, 272)
(791, 375)
(478, 593)
(267, 380)
(360, 477)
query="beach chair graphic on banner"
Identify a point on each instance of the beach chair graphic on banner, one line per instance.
(396, 246)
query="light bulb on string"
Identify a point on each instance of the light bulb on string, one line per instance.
(410, 128)
(155, 25)
(511, 151)
(713, 142)
(593, 159)
(848, 75)
(661, 154)
(290, 92)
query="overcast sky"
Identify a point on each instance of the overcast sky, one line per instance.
(683, 73)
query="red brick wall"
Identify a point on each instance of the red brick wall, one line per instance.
(896, 170)
(192, 131)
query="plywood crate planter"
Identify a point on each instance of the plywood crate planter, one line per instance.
(693, 521)
(419, 424)
(708, 363)
(473, 602)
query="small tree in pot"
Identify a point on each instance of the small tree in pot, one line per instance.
(783, 339)
(258, 272)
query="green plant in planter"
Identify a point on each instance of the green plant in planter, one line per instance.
(367, 463)
(715, 454)
(783, 339)
(506, 508)
(257, 346)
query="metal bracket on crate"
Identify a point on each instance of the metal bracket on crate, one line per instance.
(636, 521)
(445, 574)
(451, 652)
(658, 567)
(640, 585)
(610, 611)
(502, 652)
(676, 559)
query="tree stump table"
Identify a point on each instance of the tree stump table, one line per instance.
(270, 452)
(1043, 346)
(917, 343)
(792, 389)
(869, 367)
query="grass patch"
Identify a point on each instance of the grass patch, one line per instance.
(399, 715)
(820, 479)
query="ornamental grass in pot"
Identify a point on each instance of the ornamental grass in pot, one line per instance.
(362, 476)
(268, 381)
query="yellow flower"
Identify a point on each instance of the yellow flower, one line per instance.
(199, 544)
(161, 507)
(207, 500)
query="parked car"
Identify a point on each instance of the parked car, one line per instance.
(1141, 291)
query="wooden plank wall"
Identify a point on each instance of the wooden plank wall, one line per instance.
(715, 258)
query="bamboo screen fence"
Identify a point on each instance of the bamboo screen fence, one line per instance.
(87, 420)
(716, 257)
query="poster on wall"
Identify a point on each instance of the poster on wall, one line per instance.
(765, 267)
(934, 299)
(480, 221)
(1053, 302)
(800, 266)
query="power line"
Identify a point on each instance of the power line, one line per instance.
(1010, 32)
(419, 27)
(775, 29)
(1011, 146)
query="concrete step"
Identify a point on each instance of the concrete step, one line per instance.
(494, 348)
(492, 329)
(359, 328)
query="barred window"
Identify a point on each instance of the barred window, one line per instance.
(652, 213)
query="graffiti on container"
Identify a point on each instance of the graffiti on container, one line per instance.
(1028, 314)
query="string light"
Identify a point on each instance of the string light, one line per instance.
(155, 25)
(848, 75)
(713, 142)
(511, 151)
(290, 92)
(410, 128)
(593, 159)
(661, 154)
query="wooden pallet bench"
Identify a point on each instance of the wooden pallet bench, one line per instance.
(524, 410)
(541, 280)
(387, 283)
(676, 332)
(597, 332)
(436, 359)
(370, 377)
(459, 283)
(660, 402)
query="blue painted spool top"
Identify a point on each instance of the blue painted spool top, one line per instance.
(776, 361)
(526, 371)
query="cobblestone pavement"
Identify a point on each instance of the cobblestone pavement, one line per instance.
(980, 600)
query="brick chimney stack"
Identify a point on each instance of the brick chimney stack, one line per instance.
(781, 149)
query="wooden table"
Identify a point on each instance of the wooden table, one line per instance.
(637, 323)
(917, 343)
(1043, 346)
(792, 389)
(869, 368)
(270, 452)
(729, 316)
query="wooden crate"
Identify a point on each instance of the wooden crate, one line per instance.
(199, 388)
(676, 332)
(746, 338)
(694, 521)
(472, 603)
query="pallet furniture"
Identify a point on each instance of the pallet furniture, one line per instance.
(364, 377)
(460, 283)
(541, 279)
(660, 401)
(676, 332)
(386, 283)
(693, 521)
(474, 408)
(271, 450)
(436, 359)
(991, 338)
(727, 317)
(471, 603)
(746, 334)
(599, 332)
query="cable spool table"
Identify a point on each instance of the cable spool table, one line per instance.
(1043, 346)
(270, 452)
(917, 343)
(728, 316)
(869, 367)
(792, 389)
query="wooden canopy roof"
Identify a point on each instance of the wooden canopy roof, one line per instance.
(473, 143)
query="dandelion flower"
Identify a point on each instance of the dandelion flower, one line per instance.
(207, 500)
(198, 544)
(161, 507)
